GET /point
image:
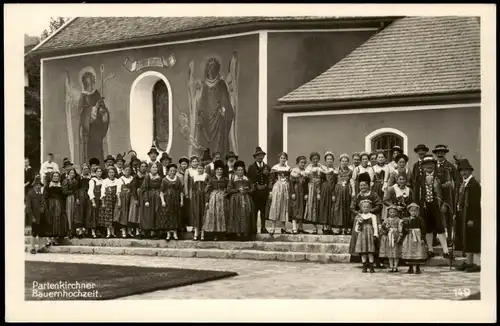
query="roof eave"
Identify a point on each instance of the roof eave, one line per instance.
(348, 22)
(429, 99)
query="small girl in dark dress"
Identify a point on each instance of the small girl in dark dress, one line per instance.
(172, 198)
(367, 229)
(413, 244)
(198, 201)
(136, 203)
(55, 223)
(108, 201)
(298, 194)
(94, 193)
(84, 205)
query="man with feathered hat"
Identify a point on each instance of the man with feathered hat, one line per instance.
(258, 173)
(418, 171)
(165, 161)
(153, 156)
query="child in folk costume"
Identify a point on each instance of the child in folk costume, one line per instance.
(367, 230)
(35, 210)
(150, 191)
(240, 218)
(402, 167)
(84, 207)
(216, 203)
(70, 189)
(413, 244)
(55, 224)
(109, 198)
(342, 218)
(172, 198)
(198, 202)
(327, 193)
(136, 202)
(94, 193)
(279, 193)
(362, 169)
(389, 231)
(298, 194)
(124, 198)
(314, 172)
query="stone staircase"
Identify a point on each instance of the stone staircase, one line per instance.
(280, 247)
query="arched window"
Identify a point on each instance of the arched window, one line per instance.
(161, 115)
(384, 139)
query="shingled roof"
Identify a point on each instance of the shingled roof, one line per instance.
(94, 31)
(413, 56)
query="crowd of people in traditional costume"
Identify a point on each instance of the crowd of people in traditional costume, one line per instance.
(392, 211)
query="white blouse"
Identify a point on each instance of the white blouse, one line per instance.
(280, 168)
(123, 181)
(92, 183)
(373, 217)
(360, 170)
(106, 183)
(199, 177)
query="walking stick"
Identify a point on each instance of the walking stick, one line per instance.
(452, 241)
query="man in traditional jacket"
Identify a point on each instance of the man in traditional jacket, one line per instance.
(165, 160)
(258, 173)
(468, 223)
(153, 156)
(434, 207)
(418, 171)
(231, 158)
(447, 173)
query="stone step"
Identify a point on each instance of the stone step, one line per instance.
(279, 246)
(204, 253)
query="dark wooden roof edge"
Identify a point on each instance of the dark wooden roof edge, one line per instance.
(341, 22)
(430, 99)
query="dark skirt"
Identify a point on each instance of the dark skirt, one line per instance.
(365, 241)
(151, 213)
(169, 217)
(92, 221)
(240, 216)
(342, 217)
(107, 212)
(197, 208)
(122, 213)
(134, 214)
(55, 224)
(83, 209)
(326, 204)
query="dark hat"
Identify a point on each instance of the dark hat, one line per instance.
(465, 165)
(258, 151)
(396, 148)
(165, 156)
(37, 180)
(206, 156)
(401, 156)
(153, 150)
(231, 155)
(440, 148)
(119, 157)
(66, 162)
(134, 159)
(364, 177)
(238, 164)
(184, 159)
(171, 165)
(93, 161)
(109, 158)
(218, 164)
(428, 159)
(421, 147)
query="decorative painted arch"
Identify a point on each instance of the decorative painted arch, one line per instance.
(369, 138)
(142, 112)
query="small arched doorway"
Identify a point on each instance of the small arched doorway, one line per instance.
(150, 113)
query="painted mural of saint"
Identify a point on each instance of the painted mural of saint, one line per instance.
(94, 117)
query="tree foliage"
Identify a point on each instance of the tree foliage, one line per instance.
(55, 23)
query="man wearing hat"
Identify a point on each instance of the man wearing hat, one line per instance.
(209, 168)
(231, 158)
(165, 161)
(418, 171)
(258, 173)
(109, 162)
(34, 210)
(120, 162)
(94, 164)
(433, 207)
(67, 165)
(468, 223)
(393, 165)
(447, 174)
(153, 155)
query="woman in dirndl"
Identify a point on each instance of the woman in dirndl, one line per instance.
(136, 202)
(216, 202)
(172, 198)
(124, 199)
(54, 223)
(279, 193)
(342, 216)
(298, 194)
(70, 190)
(380, 177)
(181, 171)
(108, 201)
(414, 248)
(364, 169)
(150, 191)
(84, 206)
(314, 172)
(189, 174)
(327, 193)
(389, 231)
(198, 201)
(95, 185)
(399, 195)
(240, 218)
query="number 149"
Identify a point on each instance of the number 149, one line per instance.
(462, 292)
